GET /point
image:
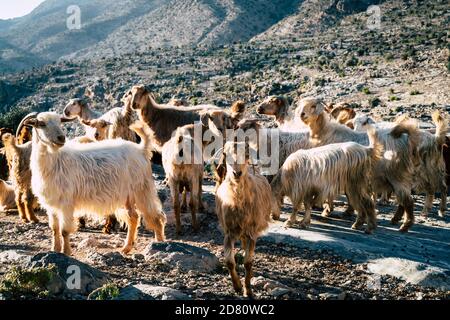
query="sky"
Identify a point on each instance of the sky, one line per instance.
(17, 8)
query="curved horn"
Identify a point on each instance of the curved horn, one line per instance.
(64, 119)
(22, 123)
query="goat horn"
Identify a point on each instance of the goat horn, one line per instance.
(64, 119)
(22, 123)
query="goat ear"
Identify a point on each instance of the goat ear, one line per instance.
(33, 122)
(320, 107)
(212, 126)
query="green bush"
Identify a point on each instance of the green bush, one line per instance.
(109, 291)
(31, 283)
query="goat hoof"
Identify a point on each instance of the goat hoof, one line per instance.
(325, 213)
(441, 213)
(288, 224)
(304, 225)
(248, 293)
(404, 228)
(126, 250)
(106, 230)
(357, 226)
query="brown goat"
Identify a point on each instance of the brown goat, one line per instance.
(163, 120)
(243, 206)
(18, 157)
(7, 196)
(4, 166)
(183, 165)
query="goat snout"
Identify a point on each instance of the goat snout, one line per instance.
(181, 153)
(61, 139)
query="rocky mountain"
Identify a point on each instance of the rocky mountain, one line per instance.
(124, 26)
(402, 66)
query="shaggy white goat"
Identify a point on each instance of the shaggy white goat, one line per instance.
(394, 173)
(93, 178)
(312, 176)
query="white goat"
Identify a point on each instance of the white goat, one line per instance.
(93, 178)
(394, 173)
(312, 176)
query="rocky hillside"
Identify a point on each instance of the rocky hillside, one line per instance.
(131, 25)
(404, 66)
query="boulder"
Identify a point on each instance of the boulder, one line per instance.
(182, 255)
(73, 277)
(150, 292)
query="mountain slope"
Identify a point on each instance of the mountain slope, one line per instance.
(130, 25)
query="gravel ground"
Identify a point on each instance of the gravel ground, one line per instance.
(297, 270)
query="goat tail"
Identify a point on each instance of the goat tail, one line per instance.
(441, 124)
(144, 132)
(410, 128)
(375, 145)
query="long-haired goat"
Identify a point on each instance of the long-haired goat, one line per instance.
(97, 178)
(430, 173)
(243, 206)
(163, 120)
(4, 167)
(279, 107)
(7, 196)
(311, 177)
(183, 165)
(394, 173)
(18, 157)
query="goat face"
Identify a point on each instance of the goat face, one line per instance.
(310, 109)
(47, 126)
(8, 139)
(362, 123)
(138, 94)
(100, 127)
(73, 108)
(178, 102)
(237, 158)
(271, 106)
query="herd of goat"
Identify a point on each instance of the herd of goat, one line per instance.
(323, 151)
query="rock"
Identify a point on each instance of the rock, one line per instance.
(90, 242)
(412, 272)
(149, 292)
(112, 258)
(279, 292)
(182, 255)
(15, 256)
(73, 276)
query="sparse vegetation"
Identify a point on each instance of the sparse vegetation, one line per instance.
(20, 283)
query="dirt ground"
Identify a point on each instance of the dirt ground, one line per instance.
(326, 261)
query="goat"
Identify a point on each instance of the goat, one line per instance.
(446, 154)
(394, 173)
(183, 165)
(312, 176)
(18, 158)
(7, 196)
(279, 107)
(430, 173)
(4, 167)
(111, 125)
(243, 206)
(163, 120)
(92, 178)
(178, 102)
